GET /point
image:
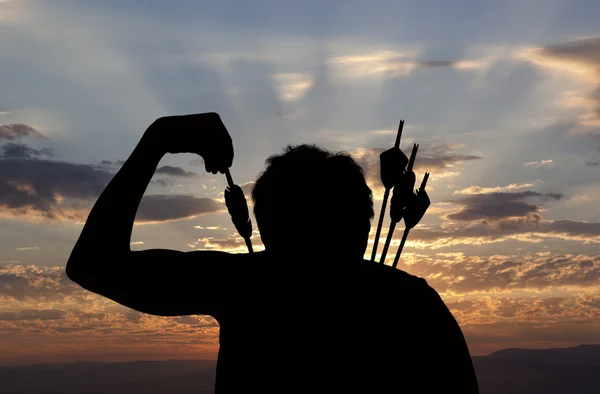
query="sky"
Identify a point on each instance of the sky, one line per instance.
(503, 98)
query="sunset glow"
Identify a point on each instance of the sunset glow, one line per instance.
(503, 98)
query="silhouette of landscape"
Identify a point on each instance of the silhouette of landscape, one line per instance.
(509, 371)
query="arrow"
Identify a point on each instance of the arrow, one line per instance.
(392, 163)
(238, 209)
(402, 193)
(413, 215)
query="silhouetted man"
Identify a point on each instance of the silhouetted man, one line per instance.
(306, 315)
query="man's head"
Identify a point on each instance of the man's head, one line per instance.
(312, 201)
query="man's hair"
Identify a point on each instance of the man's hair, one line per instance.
(311, 200)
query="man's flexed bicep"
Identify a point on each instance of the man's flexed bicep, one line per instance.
(166, 282)
(160, 282)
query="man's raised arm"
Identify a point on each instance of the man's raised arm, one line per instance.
(160, 282)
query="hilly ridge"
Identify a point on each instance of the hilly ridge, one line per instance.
(509, 371)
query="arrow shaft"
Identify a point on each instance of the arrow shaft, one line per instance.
(249, 244)
(229, 178)
(388, 241)
(413, 156)
(386, 195)
(400, 128)
(424, 182)
(399, 252)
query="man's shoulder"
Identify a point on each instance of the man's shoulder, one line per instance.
(392, 274)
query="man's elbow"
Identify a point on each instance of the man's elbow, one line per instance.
(77, 271)
(87, 269)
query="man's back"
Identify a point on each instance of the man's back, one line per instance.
(329, 326)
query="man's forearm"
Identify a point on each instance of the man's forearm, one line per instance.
(110, 222)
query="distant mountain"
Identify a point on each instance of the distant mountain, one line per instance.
(509, 371)
(139, 377)
(540, 371)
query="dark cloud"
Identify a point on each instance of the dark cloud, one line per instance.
(436, 158)
(175, 171)
(197, 162)
(435, 63)
(22, 151)
(12, 132)
(163, 182)
(571, 227)
(495, 206)
(586, 52)
(65, 191)
(527, 229)
(108, 163)
(165, 207)
(52, 189)
(33, 314)
(432, 158)
(593, 163)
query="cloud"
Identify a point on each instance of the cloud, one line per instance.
(459, 274)
(537, 164)
(247, 189)
(386, 62)
(163, 182)
(27, 248)
(537, 308)
(437, 159)
(33, 314)
(529, 229)
(499, 205)
(175, 171)
(108, 163)
(392, 63)
(37, 284)
(593, 163)
(579, 58)
(459, 65)
(22, 151)
(48, 308)
(160, 208)
(209, 228)
(53, 190)
(49, 189)
(496, 322)
(40, 305)
(231, 244)
(12, 132)
(197, 162)
(292, 86)
(496, 189)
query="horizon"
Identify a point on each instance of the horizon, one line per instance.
(215, 360)
(503, 99)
